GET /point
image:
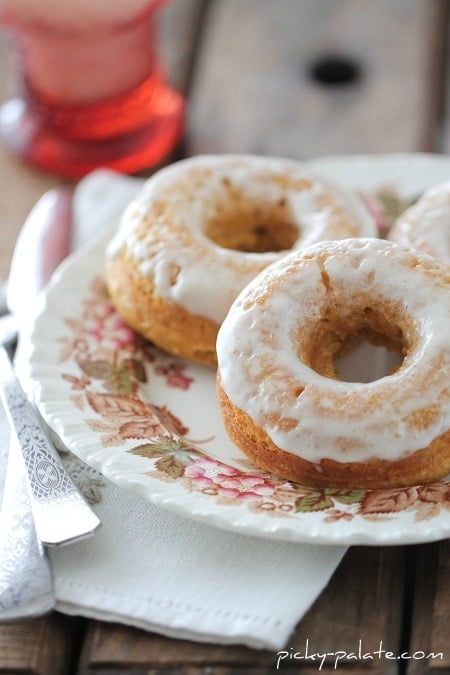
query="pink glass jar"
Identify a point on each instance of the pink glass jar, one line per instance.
(90, 89)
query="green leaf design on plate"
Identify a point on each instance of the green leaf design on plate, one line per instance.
(120, 381)
(392, 204)
(314, 501)
(136, 369)
(171, 466)
(148, 450)
(166, 445)
(345, 496)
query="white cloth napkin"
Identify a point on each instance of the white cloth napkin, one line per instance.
(149, 568)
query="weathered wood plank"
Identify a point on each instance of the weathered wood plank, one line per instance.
(253, 90)
(445, 108)
(41, 647)
(359, 613)
(343, 615)
(440, 625)
(179, 23)
(431, 612)
(110, 646)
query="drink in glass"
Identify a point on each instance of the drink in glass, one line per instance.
(91, 91)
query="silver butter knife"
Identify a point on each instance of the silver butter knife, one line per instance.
(60, 513)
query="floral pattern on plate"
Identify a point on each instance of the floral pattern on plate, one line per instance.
(150, 422)
(114, 362)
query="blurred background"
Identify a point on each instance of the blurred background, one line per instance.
(298, 78)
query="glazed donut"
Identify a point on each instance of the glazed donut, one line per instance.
(281, 400)
(425, 226)
(202, 228)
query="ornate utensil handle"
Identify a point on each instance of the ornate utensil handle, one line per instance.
(60, 513)
(26, 585)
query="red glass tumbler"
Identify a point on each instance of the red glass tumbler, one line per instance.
(90, 95)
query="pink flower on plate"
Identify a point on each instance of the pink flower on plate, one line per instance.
(107, 329)
(213, 477)
(175, 376)
(177, 380)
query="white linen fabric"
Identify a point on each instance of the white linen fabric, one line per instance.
(164, 573)
(152, 569)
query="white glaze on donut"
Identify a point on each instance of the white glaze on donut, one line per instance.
(190, 269)
(316, 417)
(425, 225)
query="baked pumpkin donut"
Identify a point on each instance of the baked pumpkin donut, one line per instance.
(425, 225)
(281, 400)
(202, 228)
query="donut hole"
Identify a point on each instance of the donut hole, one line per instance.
(251, 225)
(370, 357)
(362, 346)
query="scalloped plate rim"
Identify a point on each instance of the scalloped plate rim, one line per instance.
(199, 507)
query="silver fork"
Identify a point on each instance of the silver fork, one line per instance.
(60, 512)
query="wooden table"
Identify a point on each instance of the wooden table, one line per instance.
(249, 71)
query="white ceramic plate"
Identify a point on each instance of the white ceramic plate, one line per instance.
(150, 422)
